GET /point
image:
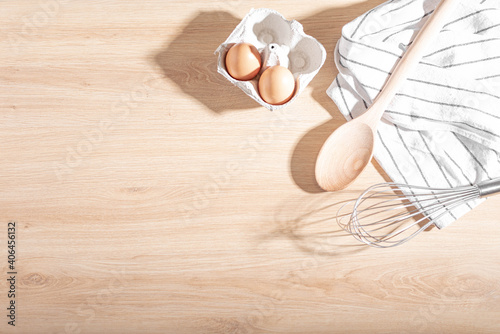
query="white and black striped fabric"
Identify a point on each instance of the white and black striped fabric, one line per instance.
(443, 127)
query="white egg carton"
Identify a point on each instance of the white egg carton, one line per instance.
(280, 42)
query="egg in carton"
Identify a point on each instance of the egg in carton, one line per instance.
(280, 42)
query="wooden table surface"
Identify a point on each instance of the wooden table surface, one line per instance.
(152, 196)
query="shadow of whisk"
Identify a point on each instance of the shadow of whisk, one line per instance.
(312, 225)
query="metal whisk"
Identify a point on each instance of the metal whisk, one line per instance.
(389, 214)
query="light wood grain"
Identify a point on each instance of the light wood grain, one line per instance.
(153, 197)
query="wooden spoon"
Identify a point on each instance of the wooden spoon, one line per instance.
(349, 149)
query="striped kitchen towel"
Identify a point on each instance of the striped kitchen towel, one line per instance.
(443, 127)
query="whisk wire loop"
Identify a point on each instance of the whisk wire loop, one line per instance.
(389, 214)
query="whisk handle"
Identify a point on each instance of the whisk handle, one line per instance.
(489, 188)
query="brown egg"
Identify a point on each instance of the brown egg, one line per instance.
(276, 85)
(243, 61)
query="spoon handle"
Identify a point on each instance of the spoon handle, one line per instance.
(410, 59)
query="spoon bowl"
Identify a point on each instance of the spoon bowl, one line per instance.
(353, 143)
